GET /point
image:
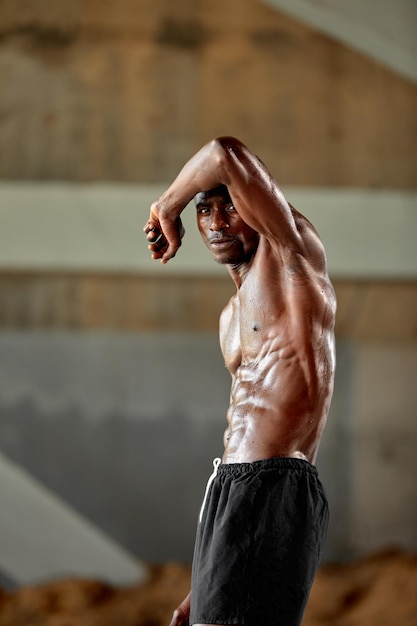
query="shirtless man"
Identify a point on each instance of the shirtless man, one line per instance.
(264, 517)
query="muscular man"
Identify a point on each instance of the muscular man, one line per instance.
(264, 516)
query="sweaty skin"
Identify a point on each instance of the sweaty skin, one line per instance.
(277, 331)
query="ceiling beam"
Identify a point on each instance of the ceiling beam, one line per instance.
(384, 30)
(42, 537)
(98, 227)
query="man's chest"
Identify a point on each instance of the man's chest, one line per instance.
(247, 325)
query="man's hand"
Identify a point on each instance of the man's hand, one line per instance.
(163, 234)
(181, 614)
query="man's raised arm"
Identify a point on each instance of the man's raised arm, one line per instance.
(255, 194)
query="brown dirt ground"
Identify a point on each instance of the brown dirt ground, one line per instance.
(380, 590)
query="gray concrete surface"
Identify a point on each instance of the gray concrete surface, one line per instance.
(124, 428)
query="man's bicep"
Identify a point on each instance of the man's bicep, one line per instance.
(255, 193)
(263, 206)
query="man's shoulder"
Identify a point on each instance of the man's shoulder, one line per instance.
(304, 261)
(291, 277)
(284, 261)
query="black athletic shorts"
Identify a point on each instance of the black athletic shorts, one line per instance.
(258, 544)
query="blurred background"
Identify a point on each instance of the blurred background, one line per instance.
(113, 391)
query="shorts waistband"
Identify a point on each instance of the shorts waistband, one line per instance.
(277, 462)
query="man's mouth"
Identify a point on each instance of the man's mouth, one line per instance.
(222, 242)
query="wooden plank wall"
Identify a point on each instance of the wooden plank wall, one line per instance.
(367, 310)
(127, 90)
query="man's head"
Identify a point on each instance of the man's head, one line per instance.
(230, 240)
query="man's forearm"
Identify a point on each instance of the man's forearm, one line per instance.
(182, 613)
(205, 170)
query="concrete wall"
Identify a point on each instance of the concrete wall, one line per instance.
(124, 427)
(384, 463)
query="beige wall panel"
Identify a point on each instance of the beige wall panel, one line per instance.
(127, 91)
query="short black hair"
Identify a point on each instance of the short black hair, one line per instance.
(220, 190)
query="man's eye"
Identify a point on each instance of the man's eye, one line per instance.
(203, 210)
(230, 208)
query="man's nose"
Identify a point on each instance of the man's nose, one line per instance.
(218, 221)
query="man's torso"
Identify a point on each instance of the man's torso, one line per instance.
(276, 336)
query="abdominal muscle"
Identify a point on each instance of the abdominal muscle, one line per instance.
(252, 437)
(272, 412)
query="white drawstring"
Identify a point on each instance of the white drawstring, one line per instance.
(216, 463)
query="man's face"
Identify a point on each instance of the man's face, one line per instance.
(227, 236)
